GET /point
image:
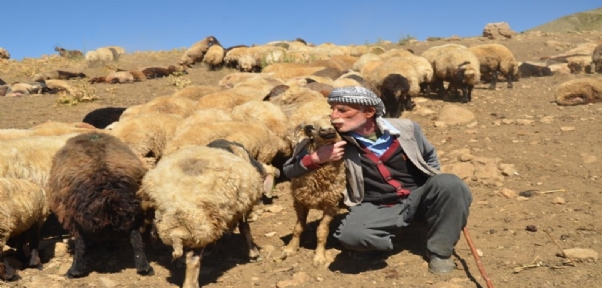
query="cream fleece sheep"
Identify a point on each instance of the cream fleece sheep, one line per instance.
(579, 91)
(362, 60)
(459, 67)
(164, 104)
(263, 112)
(495, 58)
(198, 194)
(30, 158)
(49, 128)
(23, 209)
(196, 92)
(431, 53)
(196, 52)
(394, 53)
(262, 143)
(318, 189)
(214, 58)
(4, 54)
(224, 100)
(118, 49)
(147, 134)
(232, 79)
(56, 74)
(119, 77)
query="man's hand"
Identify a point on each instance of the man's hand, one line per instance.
(329, 153)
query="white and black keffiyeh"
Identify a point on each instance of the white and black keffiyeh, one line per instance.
(357, 95)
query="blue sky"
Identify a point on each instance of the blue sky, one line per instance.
(32, 28)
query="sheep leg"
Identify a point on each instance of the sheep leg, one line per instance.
(494, 76)
(142, 265)
(293, 245)
(33, 238)
(469, 94)
(6, 271)
(78, 266)
(409, 104)
(245, 230)
(464, 89)
(193, 268)
(509, 77)
(322, 236)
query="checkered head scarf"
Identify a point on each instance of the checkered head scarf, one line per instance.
(357, 95)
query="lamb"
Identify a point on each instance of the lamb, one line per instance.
(147, 134)
(495, 58)
(597, 59)
(214, 57)
(318, 189)
(55, 86)
(4, 54)
(23, 210)
(461, 68)
(57, 74)
(196, 52)
(70, 54)
(200, 193)
(159, 72)
(92, 190)
(579, 91)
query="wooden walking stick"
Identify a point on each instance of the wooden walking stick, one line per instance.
(476, 258)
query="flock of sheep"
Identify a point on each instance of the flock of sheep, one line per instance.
(190, 166)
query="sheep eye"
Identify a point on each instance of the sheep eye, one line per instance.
(308, 129)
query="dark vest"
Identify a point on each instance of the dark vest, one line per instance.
(391, 177)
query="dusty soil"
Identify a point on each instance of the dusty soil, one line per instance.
(550, 159)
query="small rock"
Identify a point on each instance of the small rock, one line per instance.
(558, 200)
(521, 198)
(268, 248)
(580, 254)
(274, 208)
(508, 193)
(479, 252)
(106, 282)
(567, 128)
(531, 228)
(547, 119)
(527, 193)
(524, 122)
(298, 278)
(589, 159)
(270, 234)
(439, 124)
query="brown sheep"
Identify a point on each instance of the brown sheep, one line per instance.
(597, 59)
(70, 54)
(92, 190)
(196, 52)
(495, 58)
(57, 74)
(160, 72)
(318, 189)
(579, 91)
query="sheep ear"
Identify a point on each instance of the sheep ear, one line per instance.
(308, 129)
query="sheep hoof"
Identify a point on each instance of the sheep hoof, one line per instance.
(256, 258)
(71, 275)
(319, 261)
(148, 272)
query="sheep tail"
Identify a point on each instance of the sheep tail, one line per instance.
(176, 238)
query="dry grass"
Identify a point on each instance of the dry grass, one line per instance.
(82, 92)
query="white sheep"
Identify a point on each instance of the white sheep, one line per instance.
(23, 210)
(459, 67)
(317, 189)
(494, 58)
(199, 194)
(579, 91)
(147, 134)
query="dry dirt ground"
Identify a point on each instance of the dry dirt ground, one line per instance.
(553, 149)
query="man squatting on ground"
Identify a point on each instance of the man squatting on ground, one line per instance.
(392, 176)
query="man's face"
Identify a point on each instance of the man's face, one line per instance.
(349, 117)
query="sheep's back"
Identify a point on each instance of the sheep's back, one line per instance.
(202, 190)
(93, 183)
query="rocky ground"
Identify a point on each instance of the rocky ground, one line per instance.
(533, 168)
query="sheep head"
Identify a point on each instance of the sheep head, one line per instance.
(318, 131)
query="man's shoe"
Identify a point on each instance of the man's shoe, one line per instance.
(438, 265)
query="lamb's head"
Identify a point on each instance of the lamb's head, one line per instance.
(319, 131)
(58, 49)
